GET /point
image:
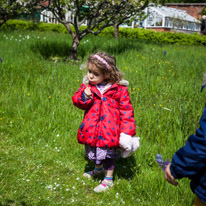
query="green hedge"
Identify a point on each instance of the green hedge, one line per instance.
(168, 37)
(29, 25)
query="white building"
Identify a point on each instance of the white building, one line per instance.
(160, 18)
(48, 17)
(170, 19)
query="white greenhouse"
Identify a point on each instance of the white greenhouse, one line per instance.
(159, 18)
(165, 18)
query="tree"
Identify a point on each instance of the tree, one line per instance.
(128, 13)
(10, 9)
(98, 14)
(203, 12)
(132, 12)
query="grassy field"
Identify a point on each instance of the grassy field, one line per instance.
(41, 162)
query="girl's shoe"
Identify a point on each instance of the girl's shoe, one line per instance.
(105, 185)
(93, 173)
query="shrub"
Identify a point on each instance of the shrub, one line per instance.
(136, 33)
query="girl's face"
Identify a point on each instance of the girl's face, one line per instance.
(94, 75)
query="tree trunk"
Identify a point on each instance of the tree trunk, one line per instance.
(75, 45)
(116, 30)
(33, 19)
(2, 22)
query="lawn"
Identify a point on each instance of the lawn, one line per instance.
(41, 162)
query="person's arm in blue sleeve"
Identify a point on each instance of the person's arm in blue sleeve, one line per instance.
(191, 158)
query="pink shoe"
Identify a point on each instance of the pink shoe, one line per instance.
(105, 185)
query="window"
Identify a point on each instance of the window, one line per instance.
(159, 20)
(168, 22)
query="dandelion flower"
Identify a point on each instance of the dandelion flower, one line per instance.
(83, 66)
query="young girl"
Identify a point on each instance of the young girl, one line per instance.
(108, 112)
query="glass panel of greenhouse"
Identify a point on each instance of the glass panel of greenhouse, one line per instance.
(171, 18)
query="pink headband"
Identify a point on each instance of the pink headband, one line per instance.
(102, 60)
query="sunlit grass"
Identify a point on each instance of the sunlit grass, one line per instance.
(41, 162)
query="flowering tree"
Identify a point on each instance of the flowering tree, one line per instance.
(98, 14)
(10, 9)
(128, 13)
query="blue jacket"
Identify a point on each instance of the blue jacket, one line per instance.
(190, 160)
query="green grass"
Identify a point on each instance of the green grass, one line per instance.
(41, 162)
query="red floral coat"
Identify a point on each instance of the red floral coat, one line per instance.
(106, 116)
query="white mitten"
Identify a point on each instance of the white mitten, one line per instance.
(128, 145)
(135, 143)
(125, 153)
(125, 142)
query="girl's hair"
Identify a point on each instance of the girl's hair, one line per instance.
(107, 66)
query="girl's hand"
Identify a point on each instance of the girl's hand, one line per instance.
(169, 177)
(88, 92)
